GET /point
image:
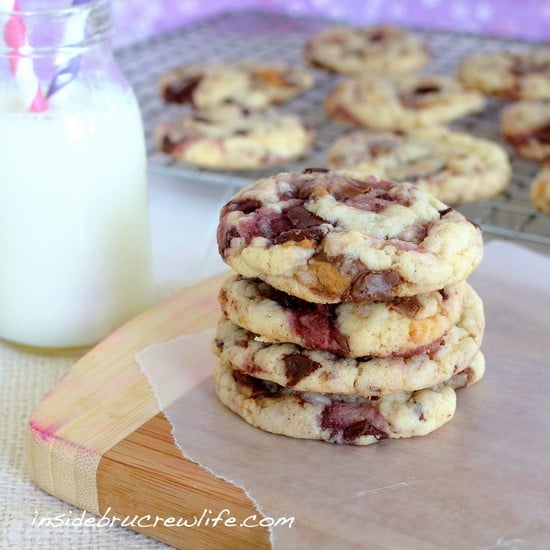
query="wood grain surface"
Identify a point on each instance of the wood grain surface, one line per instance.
(97, 440)
(145, 474)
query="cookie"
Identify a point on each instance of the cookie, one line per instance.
(326, 237)
(408, 101)
(526, 127)
(319, 371)
(540, 190)
(332, 417)
(455, 167)
(400, 326)
(254, 85)
(355, 50)
(507, 75)
(235, 138)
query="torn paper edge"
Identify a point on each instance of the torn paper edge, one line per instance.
(186, 379)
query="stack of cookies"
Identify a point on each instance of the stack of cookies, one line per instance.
(350, 319)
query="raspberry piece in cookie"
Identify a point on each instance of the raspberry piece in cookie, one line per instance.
(526, 127)
(255, 85)
(410, 101)
(455, 167)
(396, 327)
(325, 237)
(353, 50)
(235, 138)
(508, 75)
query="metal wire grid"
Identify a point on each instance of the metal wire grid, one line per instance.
(269, 37)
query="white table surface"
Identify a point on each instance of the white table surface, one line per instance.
(183, 222)
(184, 216)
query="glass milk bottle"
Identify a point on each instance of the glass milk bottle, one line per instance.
(75, 255)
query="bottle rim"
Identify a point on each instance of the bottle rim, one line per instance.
(87, 5)
(50, 29)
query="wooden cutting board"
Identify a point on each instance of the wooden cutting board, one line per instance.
(98, 440)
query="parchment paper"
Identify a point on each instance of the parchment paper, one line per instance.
(481, 481)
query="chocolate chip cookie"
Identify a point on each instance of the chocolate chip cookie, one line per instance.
(232, 137)
(303, 369)
(506, 75)
(250, 84)
(540, 190)
(331, 417)
(397, 327)
(526, 126)
(455, 167)
(325, 237)
(405, 102)
(355, 50)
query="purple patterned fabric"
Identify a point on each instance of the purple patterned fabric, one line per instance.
(528, 19)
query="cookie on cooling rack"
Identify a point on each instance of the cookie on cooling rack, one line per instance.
(540, 190)
(526, 126)
(354, 50)
(507, 75)
(232, 137)
(409, 101)
(251, 84)
(325, 237)
(401, 326)
(453, 166)
(304, 369)
(332, 417)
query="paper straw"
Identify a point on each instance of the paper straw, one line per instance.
(21, 64)
(74, 33)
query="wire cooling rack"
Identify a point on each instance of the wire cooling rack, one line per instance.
(270, 37)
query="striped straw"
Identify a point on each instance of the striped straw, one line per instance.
(21, 64)
(74, 32)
